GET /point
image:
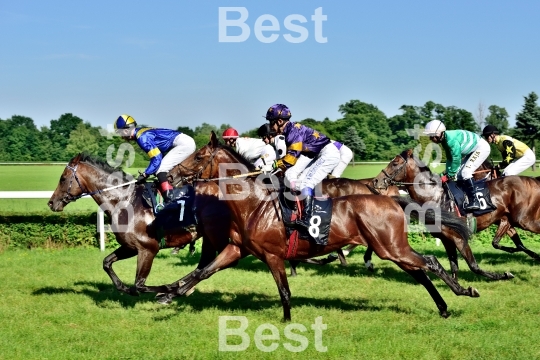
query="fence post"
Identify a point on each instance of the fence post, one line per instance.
(101, 228)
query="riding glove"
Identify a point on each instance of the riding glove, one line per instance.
(141, 179)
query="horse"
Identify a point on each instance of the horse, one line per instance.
(516, 198)
(338, 187)
(369, 220)
(87, 175)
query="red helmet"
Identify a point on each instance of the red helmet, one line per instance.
(230, 133)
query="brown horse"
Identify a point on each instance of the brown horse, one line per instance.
(369, 220)
(85, 175)
(334, 188)
(516, 198)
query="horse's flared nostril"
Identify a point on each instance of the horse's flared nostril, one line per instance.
(50, 204)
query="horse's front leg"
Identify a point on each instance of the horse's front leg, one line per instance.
(186, 285)
(144, 265)
(123, 252)
(277, 267)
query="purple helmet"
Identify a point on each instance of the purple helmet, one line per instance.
(278, 111)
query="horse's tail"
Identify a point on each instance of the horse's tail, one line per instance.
(432, 215)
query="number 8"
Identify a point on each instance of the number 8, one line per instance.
(314, 223)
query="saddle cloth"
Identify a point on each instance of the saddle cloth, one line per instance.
(319, 223)
(178, 213)
(482, 192)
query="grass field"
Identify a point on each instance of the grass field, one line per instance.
(61, 305)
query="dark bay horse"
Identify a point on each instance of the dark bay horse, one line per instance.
(87, 175)
(334, 188)
(516, 198)
(369, 220)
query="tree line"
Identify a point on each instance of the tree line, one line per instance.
(362, 126)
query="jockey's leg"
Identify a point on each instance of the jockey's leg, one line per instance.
(473, 162)
(526, 161)
(307, 211)
(346, 156)
(183, 146)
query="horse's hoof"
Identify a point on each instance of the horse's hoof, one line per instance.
(474, 292)
(164, 300)
(445, 314)
(332, 257)
(346, 252)
(509, 275)
(369, 266)
(160, 295)
(190, 291)
(133, 291)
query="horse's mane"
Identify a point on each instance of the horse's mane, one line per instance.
(239, 158)
(99, 163)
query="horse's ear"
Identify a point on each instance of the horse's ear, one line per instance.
(410, 153)
(214, 142)
(76, 159)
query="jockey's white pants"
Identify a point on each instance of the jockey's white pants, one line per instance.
(346, 156)
(307, 173)
(519, 165)
(183, 146)
(473, 161)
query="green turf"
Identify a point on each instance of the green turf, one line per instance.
(61, 305)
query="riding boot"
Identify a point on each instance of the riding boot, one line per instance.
(166, 190)
(470, 190)
(307, 211)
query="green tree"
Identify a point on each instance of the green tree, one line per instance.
(59, 135)
(498, 116)
(82, 140)
(528, 120)
(19, 139)
(186, 130)
(354, 141)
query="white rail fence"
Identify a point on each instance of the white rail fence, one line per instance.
(100, 226)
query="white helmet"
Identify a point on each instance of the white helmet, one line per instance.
(434, 128)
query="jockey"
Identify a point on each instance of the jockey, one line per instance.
(321, 156)
(156, 142)
(516, 155)
(458, 144)
(269, 137)
(255, 150)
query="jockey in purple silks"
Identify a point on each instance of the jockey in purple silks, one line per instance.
(320, 156)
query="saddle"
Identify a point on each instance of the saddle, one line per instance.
(319, 223)
(179, 213)
(457, 194)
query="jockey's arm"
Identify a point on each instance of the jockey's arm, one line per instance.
(508, 153)
(155, 155)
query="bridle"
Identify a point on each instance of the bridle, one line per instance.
(195, 175)
(389, 179)
(68, 197)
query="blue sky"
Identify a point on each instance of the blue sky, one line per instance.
(162, 61)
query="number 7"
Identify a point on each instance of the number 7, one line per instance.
(182, 202)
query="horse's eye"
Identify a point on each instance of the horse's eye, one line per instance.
(198, 158)
(62, 179)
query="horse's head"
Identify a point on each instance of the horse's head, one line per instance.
(395, 171)
(69, 187)
(204, 163)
